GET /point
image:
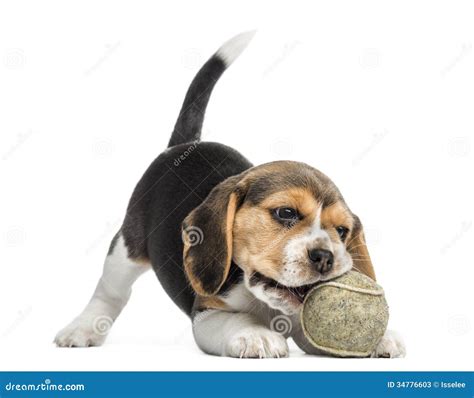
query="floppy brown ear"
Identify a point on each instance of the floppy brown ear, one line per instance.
(207, 237)
(358, 250)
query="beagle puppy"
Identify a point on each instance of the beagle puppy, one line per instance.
(235, 246)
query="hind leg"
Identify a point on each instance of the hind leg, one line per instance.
(113, 290)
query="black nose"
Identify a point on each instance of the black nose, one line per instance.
(323, 260)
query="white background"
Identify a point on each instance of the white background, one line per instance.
(377, 95)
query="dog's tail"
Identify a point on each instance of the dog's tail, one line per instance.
(189, 123)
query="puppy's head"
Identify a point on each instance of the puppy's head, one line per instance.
(284, 224)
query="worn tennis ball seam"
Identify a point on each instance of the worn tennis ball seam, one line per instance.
(372, 292)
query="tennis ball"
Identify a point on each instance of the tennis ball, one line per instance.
(344, 317)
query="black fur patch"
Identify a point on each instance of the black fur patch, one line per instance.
(163, 197)
(235, 277)
(208, 260)
(189, 124)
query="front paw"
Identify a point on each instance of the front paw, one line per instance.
(391, 346)
(257, 342)
(84, 332)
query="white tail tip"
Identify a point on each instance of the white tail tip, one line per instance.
(232, 48)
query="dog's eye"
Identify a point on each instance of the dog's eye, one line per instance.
(342, 231)
(286, 214)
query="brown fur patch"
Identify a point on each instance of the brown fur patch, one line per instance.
(208, 303)
(229, 227)
(357, 247)
(142, 261)
(298, 198)
(336, 215)
(260, 239)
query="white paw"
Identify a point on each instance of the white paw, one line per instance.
(84, 332)
(391, 346)
(257, 342)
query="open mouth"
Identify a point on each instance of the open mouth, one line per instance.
(295, 293)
